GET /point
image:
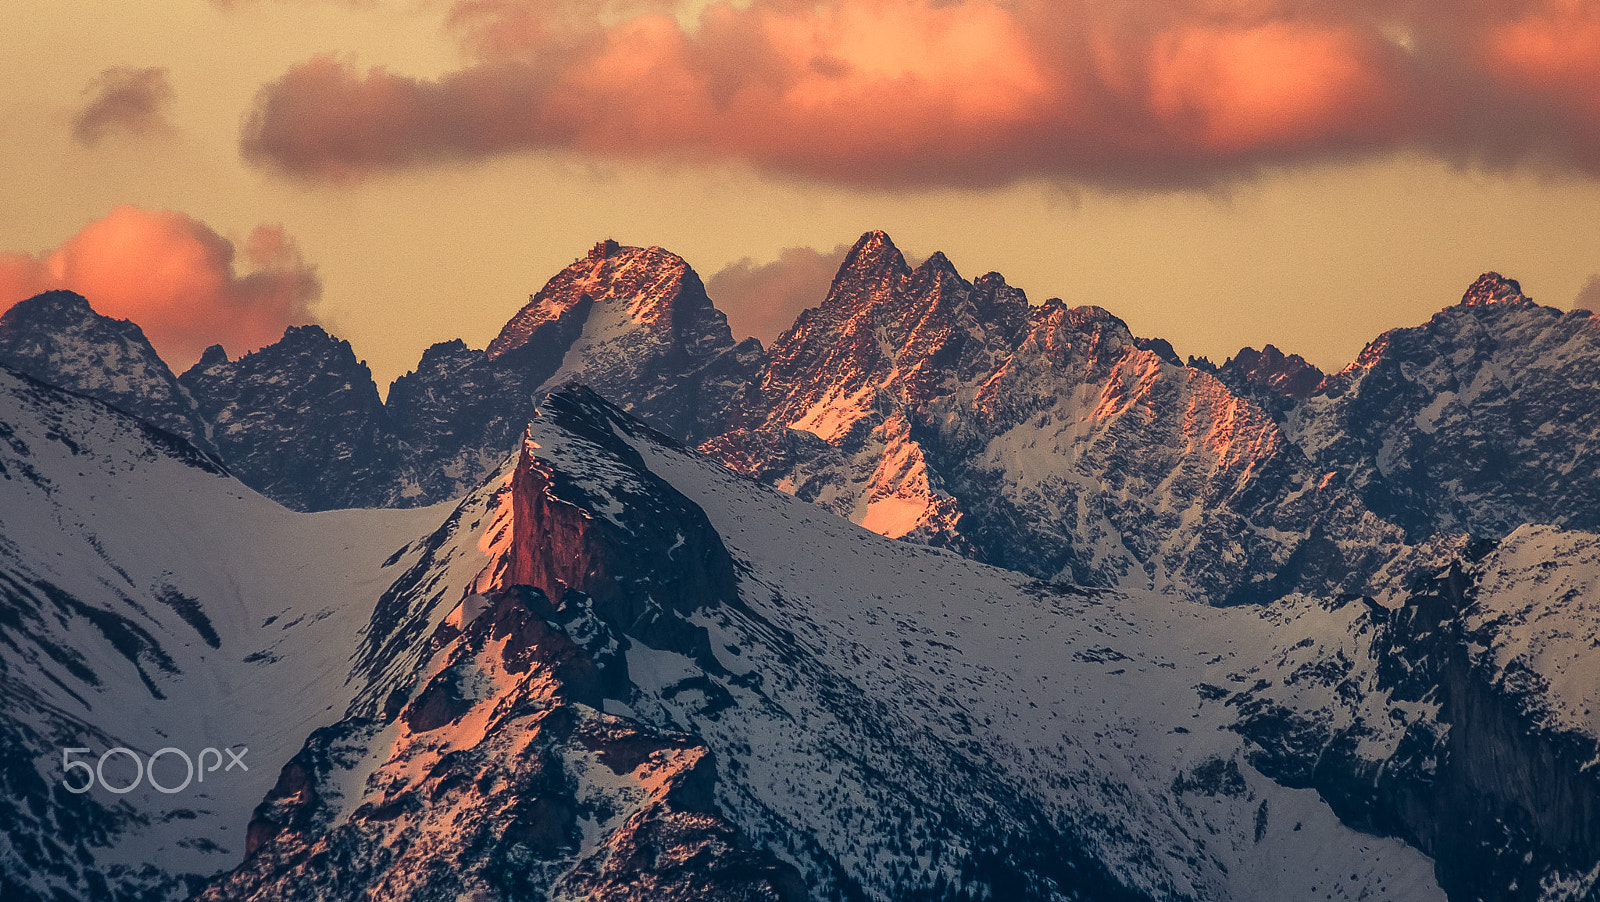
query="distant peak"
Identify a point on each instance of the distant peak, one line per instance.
(445, 349)
(938, 263)
(1493, 288)
(53, 305)
(55, 311)
(1287, 375)
(876, 238)
(310, 332)
(875, 243)
(874, 252)
(213, 356)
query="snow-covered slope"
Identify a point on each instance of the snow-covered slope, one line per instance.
(620, 669)
(882, 720)
(148, 601)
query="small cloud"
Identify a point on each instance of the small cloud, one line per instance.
(1589, 295)
(127, 101)
(176, 278)
(763, 299)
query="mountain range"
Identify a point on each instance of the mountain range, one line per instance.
(943, 595)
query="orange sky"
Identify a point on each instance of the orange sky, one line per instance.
(1216, 172)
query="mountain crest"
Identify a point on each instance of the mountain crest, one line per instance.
(647, 286)
(873, 258)
(1270, 369)
(58, 337)
(1493, 288)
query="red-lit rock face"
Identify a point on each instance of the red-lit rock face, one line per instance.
(645, 555)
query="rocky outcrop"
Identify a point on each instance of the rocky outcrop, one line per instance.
(644, 555)
(1479, 756)
(56, 337)
(299, 421)
(1047, 439)
(1480, 420)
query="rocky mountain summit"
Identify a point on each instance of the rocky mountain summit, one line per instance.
(1480, 420)
(1041, 438)
(634, 324)
(1274, 380)
(58, 338)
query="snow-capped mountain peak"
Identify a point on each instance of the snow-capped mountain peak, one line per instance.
(58, 337)
(1493, 288)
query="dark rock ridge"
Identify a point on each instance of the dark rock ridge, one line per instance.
(299, 421)
(1268, 375)
(1434, 736)
(57, 338)
(1480, 420)
(454, 418)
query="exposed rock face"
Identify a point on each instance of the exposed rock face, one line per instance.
(649, 556)
(454, 419)
(1046, 439)
(1270, 378)
(299, 421)
(1459, 721)
(1478, 421)
(57, 338)
(635, 325)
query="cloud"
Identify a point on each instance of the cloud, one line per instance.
(1589, 295)
(763, 299)
(907, 93)
(236, 4)
(177, 279)
(124, 100)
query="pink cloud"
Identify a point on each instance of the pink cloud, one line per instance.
(889, 93)
(763, 299)
(127, 101)
(176, 278)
